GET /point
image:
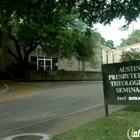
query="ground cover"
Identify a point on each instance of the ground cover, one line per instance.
(2, 86)
(113, 127)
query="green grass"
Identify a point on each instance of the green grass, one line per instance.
(113, 127)
(2, 87)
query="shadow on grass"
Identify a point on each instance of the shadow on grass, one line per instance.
(134, 108)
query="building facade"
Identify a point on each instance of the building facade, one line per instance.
(117, 52)
(45, 62)
(114, 55)
(41, 61)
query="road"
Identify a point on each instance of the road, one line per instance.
(53, 109)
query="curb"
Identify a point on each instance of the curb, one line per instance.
(5, 90)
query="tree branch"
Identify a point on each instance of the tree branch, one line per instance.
(17, 47)
(32, 47)
(12, 53)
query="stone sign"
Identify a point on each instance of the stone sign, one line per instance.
(121, 83)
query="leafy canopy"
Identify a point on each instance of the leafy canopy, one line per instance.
(131, 55)
(90, 11)
(54, 25)
(34, 22)
(133, 38)
(108, 43)
(87, 49)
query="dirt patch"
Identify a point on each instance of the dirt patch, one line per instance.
(17, 90)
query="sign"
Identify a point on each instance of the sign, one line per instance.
(131, 133)
(121, 83)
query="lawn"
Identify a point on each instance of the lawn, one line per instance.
(113, 127)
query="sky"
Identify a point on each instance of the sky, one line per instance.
(112, 32)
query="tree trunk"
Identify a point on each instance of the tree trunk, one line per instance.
(26, 77)
(4, 32)
(22, 62)
(26, 68)
(22, 71)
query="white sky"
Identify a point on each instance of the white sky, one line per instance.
(112, 32)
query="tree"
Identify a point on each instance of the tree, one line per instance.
(52, 29)
(30, 23)
(123, 42)
(99, 11)
(133, 38)
(56, 33)
(131, 55)
(87, 49)
(90, 11)
(110, 44)
(102, 40)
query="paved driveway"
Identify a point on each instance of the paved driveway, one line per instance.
(51, 109)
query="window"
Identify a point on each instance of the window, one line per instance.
(114, 58)
(33, 62)
(54, 63)
(107, 57)
(102, 56)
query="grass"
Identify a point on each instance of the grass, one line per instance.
(113, 127)
(2, 87)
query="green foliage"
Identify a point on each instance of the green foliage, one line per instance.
(105, 11)
(99, 11)
(133, 38)
(61, 45)
(110, 44)
(102, 40)
(130, 55)
(2, 87)
(35, 20)
(87, 49)
(62, 72)
(53, 24)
